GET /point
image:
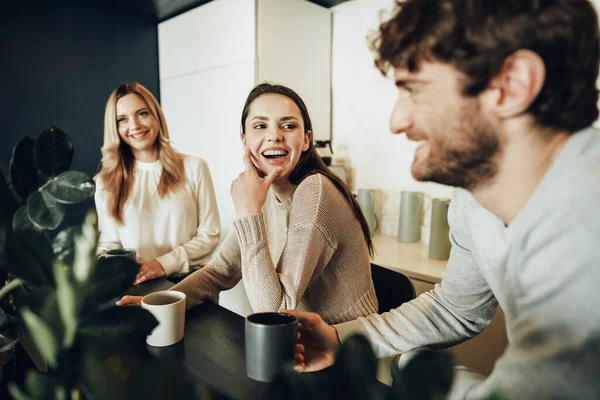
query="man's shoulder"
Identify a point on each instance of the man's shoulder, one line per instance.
(569, 194)
(576, 169)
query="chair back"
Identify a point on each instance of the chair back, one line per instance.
(391, 287)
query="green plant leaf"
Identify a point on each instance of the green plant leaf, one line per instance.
(63, 245)
(40, 386)
(110, 278)
(53, 151)
(44, 211)
(117, 322)
(10, 331)
(16, 392)
(21, 221)
(43, 302)
(29, 257)
(5, 231)
(43, 337)
(23, 173)
(70, 187)
(356, 365)
(427, 375)
(7, 201)
(7, 342)
(6, 289)
(84, 257)
(68, 301)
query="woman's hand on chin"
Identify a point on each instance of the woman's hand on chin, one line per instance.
(249, 190)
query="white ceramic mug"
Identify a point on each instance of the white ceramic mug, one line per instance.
(168, 307)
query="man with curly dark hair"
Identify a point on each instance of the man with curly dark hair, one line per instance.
(501, 96)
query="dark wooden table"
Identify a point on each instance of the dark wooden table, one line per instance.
(212, 348)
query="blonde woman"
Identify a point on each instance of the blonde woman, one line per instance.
(150, 197)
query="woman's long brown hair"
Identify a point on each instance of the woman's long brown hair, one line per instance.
(117, 173)
(310, 162)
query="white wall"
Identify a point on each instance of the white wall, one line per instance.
(362, 104)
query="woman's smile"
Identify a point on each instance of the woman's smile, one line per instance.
(275, 157)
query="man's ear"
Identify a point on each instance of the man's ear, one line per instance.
(517, 86)
(307, 140)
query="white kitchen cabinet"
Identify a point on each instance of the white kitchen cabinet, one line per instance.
(209, 60)
(294, 48)
(216, 34)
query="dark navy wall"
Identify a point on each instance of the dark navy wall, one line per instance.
(59, 61)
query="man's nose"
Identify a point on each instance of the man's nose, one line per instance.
(401, 119)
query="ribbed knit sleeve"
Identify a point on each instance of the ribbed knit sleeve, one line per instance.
(222, 273)
(269, 287)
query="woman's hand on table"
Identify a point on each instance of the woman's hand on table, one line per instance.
(130, 301)
(101, 253)
(149, 270)
(317, 342)
(249, 190)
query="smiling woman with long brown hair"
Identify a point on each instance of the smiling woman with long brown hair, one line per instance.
(150, 197)
(300, 239)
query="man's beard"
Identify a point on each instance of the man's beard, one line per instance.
(467, 157)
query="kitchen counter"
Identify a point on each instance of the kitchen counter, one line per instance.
(409, 258)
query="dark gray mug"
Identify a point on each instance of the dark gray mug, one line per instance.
(129, 253)
(270, 344)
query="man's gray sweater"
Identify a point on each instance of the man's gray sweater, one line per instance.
(543, 270)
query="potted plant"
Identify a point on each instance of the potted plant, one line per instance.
(34, 189)
(62, 296)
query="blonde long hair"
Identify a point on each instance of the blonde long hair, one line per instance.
(117, 173)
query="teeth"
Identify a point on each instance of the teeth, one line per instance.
(274, 153)
(137, 135)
